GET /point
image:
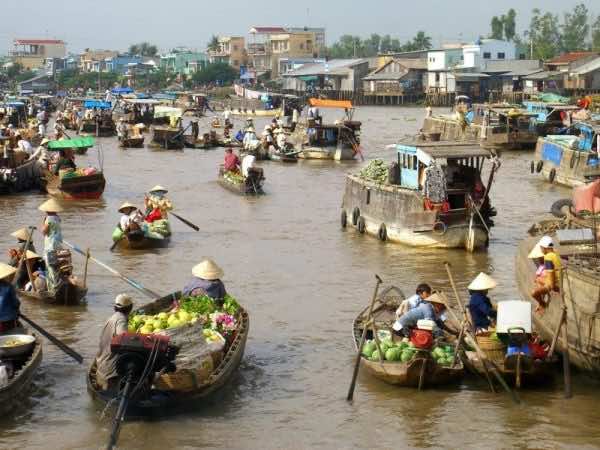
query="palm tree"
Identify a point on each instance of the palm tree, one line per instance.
(213, 44)
(143, 49)
(421, 41)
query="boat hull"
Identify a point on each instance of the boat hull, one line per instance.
(23, 178)
(88, 187)
(137, 142)
(331, 153)
(68, 294)
(12, 394)
(145, 243)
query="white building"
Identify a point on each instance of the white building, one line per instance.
(474, 56)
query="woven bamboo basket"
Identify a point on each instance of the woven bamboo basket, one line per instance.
(494, 349)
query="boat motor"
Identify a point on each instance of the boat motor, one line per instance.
(139, 358)
(422, 336)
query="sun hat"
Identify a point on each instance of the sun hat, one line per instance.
(536, 252)
(207, 270)
(32, 255)
(126, 205)
(546, 242)
(44, 141)
(158, 188)
(6, 271)
(436, 298)
(50, 206)
(482, 282)
(123, 300)
(21, 234)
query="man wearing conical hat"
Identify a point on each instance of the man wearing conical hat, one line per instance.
(480, 306)
(206, 281)
(9, 303)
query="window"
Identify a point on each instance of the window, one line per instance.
(501, 55)
(301, 46)
(235, 48)
(437, 76)
(487, 55)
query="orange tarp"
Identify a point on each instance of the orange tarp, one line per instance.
(324, 103)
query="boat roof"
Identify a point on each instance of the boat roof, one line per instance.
(80, 142)
(325, 103)
(142, 101)
(444, 150)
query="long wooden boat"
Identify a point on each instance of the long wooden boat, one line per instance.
(581, 291)
(570, 160)
(20, 178)
(167, 138)
(398, 210)
(85, 187)
(339, 142)
(104, 128)
(396, 372)
(19, 385)
(137, 242)
(248, 186)
(283, 157)
(68, 294)
(132, 142)
(162, 400)
(256, 112)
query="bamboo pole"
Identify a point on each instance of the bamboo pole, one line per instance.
(85, 268)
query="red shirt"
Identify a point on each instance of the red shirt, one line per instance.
(232, 162)
(154, 215)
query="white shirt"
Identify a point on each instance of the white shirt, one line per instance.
(25, 146)
(247, 163)
(281, 138)
(295, 115)
(42, 154)
(226, 114)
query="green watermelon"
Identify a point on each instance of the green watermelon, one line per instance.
(406, 356)
(375, 356)
(393, 354)
(368, 348)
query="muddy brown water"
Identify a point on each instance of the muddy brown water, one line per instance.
(303, 281)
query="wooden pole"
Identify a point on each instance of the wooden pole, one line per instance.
(566, 359)
(85, 268)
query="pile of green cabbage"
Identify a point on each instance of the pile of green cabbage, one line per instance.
(376, 170)
(401, 351)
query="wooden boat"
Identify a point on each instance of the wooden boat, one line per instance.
(251, 185)
(105, 127)
(16, 176)
(68, 294)
(136, 241)
(247, 112)
(132, 142)
(167, 138)
(396, 372)
(497, 127)
(570, 160)
(398, 210)
(85, 187)
(581, 290)
(19, 385)
(162, 400)
(291, 157)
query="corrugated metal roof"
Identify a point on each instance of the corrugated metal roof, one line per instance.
(516, 67)
(334, 67)
(38, 41)
(543, 75)
(588, 67)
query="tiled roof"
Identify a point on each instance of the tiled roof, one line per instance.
(570, 57)
(266, 30)
(37, 41)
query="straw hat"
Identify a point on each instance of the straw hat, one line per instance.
(158, 188)
(123, 300)
(126, 205)
(6, 271)
(32, 255)
(207, 270)
(50, 206)
(546, 242)
(482, 282)
(44, 141)
(250, 130)
(536, 252)
(21, 234)
(436, 298)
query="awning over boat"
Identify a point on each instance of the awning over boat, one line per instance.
(167, 111)
(80, 142)
(122, 90)
(142, 101)
(324, 103)
(165, 96)
(91, 103)
(427, 152)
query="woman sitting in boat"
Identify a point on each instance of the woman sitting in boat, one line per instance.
(66, 161)
(131, 218)
(38, 273)
(231, 163)
(250, 141)
(106, 360)
(206, 281)
(480, 306)
(51, 229)
(431, 309)
(552, 268)
(15, 254)
(9, 303)
(122, 129)
(157, 204)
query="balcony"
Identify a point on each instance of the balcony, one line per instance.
(257, 49)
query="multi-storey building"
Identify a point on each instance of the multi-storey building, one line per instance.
(32, 53)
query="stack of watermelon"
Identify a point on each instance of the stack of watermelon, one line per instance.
(391, 351)
(443, 354)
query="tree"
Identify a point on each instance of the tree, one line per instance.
(575, 29)
(219, 72)
(421, 41)
(143, 49)
(497, 28)
(213, 44)
(596, 35)
(510, 24)
(544, 35)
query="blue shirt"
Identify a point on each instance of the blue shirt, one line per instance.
(481, 310)
(9, 303)
(421, 312)
(215, 289)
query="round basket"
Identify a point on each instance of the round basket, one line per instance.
(494, 349)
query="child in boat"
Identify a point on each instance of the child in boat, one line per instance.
(422, 293)
(551, 275)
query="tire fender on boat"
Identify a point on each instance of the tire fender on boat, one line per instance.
(344, 219)
(355, 215)
(552, 175)
(532, 168)
(557, 208)
(539, 166)
(440, 228)
(361, 225)
(382, 233)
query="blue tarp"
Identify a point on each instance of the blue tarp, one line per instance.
(164, 97)
(122, 90)
(89, 104)
(551, 152)
(14, 104)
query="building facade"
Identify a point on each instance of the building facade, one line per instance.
(95, 60)
(232, 51)
(32, 53)
(183, 61)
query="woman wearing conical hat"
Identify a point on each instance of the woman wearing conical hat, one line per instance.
(480, 306)
(206, 281)
(52, 231)
(21, 236)
(9, 303)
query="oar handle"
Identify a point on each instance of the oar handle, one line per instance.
(64, 347)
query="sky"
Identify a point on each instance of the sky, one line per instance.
(115, 24)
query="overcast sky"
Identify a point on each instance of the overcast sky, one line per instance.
(115, 24)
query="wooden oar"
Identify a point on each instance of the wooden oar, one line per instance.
(24, 254)
(112, 247)
(566, 359)
(147, 292)
(362, 341)
(187, 222)
(64, 347)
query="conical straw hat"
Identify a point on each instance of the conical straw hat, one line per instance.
(158, 188)
(50, 206)
(21, 234)
(536, 252)
(207, 270)
(482, 282)
(32, 255)
(436, 298)
(6, 271)
(126, 205)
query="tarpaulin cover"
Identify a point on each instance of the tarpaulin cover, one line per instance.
(587, 197)
(324, 103)
(80, 142)
(167, 111)
(165, 96)
(122, 90)
(552, 152)
(96, 104)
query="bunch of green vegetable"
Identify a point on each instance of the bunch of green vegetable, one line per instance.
(233, 177)
(230, 305)
(376, 171)
(202, 305)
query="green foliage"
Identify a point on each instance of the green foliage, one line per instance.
(155, 80)
(213, 44)
(575, 29)
(497, 28)
(215, 72)
(544, 34)
(349, 46)
(72, 78)
(510, 24)
(143, 49)
(596, 35)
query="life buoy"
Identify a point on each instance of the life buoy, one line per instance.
(382, 233)
(552, 175)
(440, 228)
(532, 166)
(355, 215)
(558, 207)
(538, 167)
(360, 224)
(572, 162)
(344, 219)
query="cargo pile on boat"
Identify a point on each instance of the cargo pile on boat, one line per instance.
(376, 171)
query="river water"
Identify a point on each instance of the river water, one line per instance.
(303, 281)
